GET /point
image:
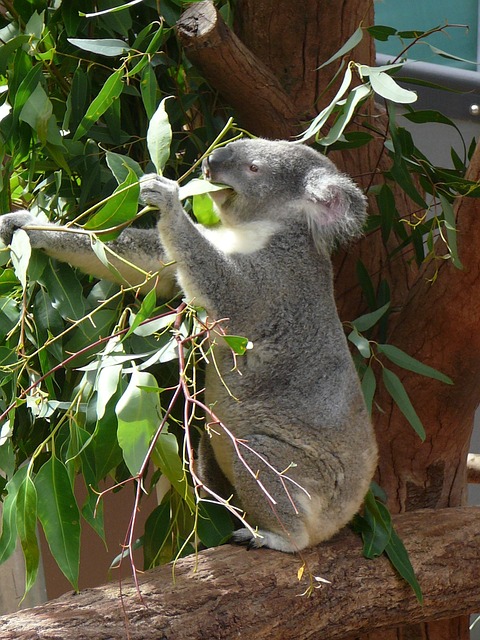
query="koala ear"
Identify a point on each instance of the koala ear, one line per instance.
(336, 208)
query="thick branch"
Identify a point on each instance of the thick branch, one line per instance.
(256, 595)
(243, 80)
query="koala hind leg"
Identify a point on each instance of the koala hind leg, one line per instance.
(280, 525)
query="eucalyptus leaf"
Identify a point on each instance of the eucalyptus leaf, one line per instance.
(21, 252)
(110, 92)
(8, 538)
(167, 458)
(451, 228)
(369, 385)
(362, 344)
(121, 206)
(385, 86)
(197, 186)
(139, 416)
(110, 47)
(60, 517)
(368, 320)
(159, 137)
(26, 510)
(350, 44)
(396, 389)
(402, 359)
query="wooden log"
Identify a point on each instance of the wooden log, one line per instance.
(229, 593)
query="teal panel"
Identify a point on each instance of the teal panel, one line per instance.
(406, 15)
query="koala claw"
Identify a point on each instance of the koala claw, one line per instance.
(10, 222)
(159, 192)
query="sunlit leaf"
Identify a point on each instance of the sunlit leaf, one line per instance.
(159, 137)
(110, 47)
(385, 86)
(139, 417)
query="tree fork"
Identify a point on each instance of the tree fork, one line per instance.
(202, 599)
(242, 79)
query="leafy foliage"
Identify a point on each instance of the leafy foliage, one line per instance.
(91, 376)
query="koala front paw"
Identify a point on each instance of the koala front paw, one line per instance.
(159, 192)
(10, 222)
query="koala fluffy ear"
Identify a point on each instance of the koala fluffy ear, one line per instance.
(336, 208)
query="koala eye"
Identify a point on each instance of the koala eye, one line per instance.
(253, 168)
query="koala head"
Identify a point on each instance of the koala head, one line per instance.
(280, 180)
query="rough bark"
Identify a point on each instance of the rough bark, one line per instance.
(241, 78)
(229, 593)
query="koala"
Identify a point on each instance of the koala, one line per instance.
(294, 404)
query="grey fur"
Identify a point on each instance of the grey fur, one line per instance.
(297, 402)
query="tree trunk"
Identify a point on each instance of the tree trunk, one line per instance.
(229, 593)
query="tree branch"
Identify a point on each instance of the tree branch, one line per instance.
(243, 80)
(228, 592)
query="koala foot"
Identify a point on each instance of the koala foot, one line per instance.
(285, 543)
(159, 192)
(10, 222)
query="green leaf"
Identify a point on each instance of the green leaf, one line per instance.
(356, 96)
(37, 111)
(167, 458)
(27, 529)
(139, 416)
(65, 291)
(428, 115)
(110, 47)
(214, 524)
(362, 344)
(398, 556)
(159, 137)
(238, 344)
(369, 385)
(396, 389)
(121, 165)
(380, 32)
(197, 186)
(146, 310)
(451, 227)
(368, 320)
(149, 89)
(402, 359)
(58, 512)
(385, 86)
(350, 44)
(120, 207)
(21, 252)
(8, 539)
(110, 91)
(318, 122)
(378, 533)
(157, 535)
(107, 452)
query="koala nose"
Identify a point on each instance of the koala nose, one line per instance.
(216, 160)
